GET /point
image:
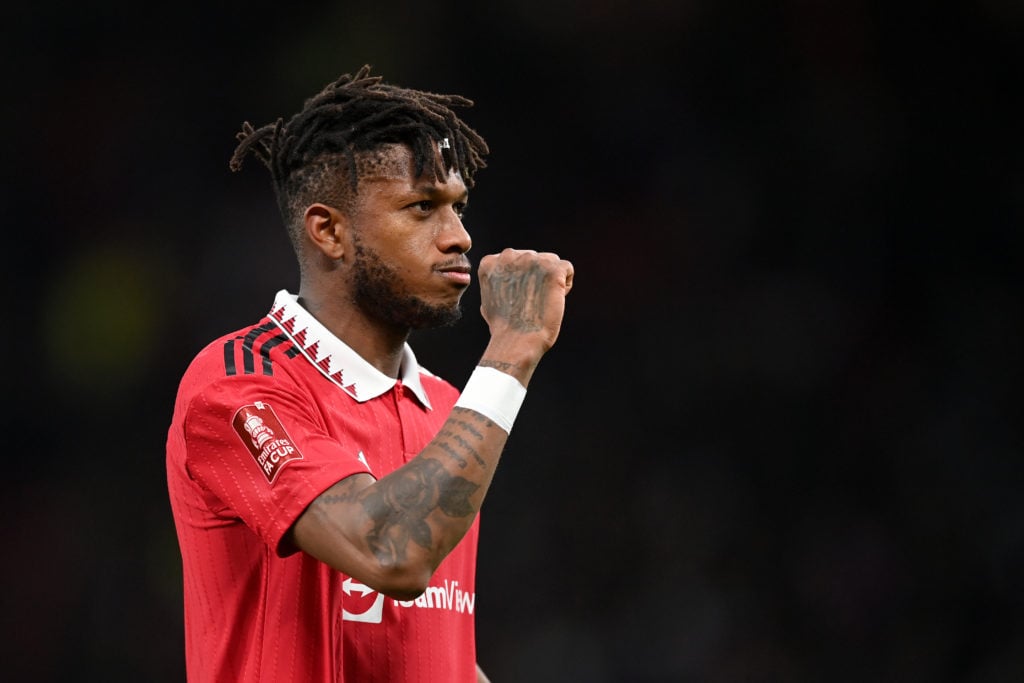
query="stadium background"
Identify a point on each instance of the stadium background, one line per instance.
(780, 438)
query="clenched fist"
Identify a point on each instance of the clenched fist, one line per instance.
(522, 294)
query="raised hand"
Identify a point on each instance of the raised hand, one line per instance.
(522, 294)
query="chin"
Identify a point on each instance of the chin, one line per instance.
(427, 317)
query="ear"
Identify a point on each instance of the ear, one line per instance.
(325, 228)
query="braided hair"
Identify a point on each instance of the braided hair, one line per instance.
(322, 143)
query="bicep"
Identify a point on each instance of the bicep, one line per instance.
(332, 528)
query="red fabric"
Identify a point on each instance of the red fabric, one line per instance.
(258, 432)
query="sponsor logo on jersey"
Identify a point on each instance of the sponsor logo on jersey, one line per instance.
(359, 606)
(265, 438)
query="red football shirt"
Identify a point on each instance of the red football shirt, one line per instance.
(266, 419)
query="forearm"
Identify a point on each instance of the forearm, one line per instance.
(392, 533)
(418, 513)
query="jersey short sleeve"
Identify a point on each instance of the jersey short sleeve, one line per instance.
(259, 447)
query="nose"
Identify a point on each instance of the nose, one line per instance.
(453, 236)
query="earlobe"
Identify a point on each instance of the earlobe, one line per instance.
(325, 228)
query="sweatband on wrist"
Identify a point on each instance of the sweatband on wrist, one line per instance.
(494, 394)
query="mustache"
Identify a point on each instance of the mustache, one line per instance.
(460, 261)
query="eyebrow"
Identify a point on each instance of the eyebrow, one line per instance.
(433, 191)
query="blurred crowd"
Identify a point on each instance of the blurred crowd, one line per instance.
(780, 437)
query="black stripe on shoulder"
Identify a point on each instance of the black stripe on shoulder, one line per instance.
(229, 358)
(248, 358)
(268, 346)
(248, 340)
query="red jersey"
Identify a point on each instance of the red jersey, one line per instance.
(265, 420)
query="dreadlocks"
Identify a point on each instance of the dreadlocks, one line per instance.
(355, 114)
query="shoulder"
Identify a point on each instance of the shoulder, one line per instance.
(255, 353)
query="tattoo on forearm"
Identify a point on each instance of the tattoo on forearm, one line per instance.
(444, 439)
(476, 417)
(459, 460)
(341, 493)
(471, 429)
(519, 297)
(496, 364)
(401, 503)
(468, 447)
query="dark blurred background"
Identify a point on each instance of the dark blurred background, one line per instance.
(780, 437)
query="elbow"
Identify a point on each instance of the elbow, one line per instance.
(405, 583)
(404, 593)
(403, 572)
(404, 579)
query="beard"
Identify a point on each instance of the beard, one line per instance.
(379, 294)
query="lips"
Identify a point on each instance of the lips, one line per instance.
(462, 267)
(458, 273)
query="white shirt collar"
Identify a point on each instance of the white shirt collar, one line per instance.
(336, 359)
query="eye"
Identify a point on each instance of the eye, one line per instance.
(459, 208)
(424, 206)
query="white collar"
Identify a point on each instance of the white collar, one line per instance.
(336, 359)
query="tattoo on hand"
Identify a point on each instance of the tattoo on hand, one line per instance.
(519, 297)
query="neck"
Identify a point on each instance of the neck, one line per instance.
(379, 345)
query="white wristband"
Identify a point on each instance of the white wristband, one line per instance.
(494, 394)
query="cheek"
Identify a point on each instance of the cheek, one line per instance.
(401, 257)
(411, 247)
(403, 242)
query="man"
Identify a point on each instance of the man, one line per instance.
(325, 487)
